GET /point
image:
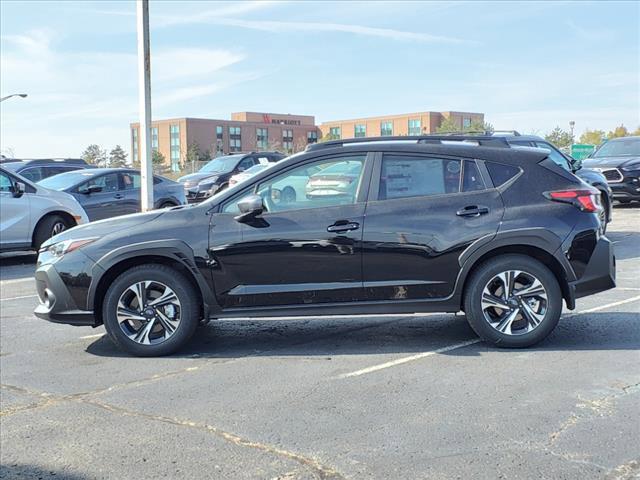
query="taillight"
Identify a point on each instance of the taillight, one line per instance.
(585, 200)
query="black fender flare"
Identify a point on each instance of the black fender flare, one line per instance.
(539, 238)
(172, 249)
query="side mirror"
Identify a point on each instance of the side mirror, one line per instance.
(250, 207)
(18, 189)
(90, 190)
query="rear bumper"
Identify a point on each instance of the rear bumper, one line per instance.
(56, 304)
(600, 273)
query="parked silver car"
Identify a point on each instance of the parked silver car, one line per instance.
(31, 214)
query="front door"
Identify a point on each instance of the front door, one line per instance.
(426, 212)
(305, 248)
(15, 213)
(107, 202)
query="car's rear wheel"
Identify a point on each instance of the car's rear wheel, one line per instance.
(168, 205)
(150, 310)
(48, 227)
(604, 216)
(513, 301)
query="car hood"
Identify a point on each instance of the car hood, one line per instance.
(103, 228)
(193, 179)
(610, 162)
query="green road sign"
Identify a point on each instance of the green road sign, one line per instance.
(580, 151)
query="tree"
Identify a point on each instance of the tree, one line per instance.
(559, 138)
(328, 137)
(117, 157)
(157, 158)
(617, 132)
(636, 132)
(592, 137)
(449, 125)
(94, 155)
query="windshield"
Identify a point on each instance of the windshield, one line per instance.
(62, 181)
(627, 147)
(222, 164)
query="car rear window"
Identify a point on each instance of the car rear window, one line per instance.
(501, 173)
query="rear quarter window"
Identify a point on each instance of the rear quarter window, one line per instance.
(501, 173)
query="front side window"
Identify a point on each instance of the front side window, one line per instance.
(360, 130)
(34, 174)
(130, 180)
(108, 182)
(246, 164)
(5, 183)
(322, 184)
(409, 176)
(414, 127)
(386, 129)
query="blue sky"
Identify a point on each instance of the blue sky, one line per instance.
(529, 65)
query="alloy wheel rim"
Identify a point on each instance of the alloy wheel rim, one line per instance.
(514, 302)
(149, 312)
(58, 228)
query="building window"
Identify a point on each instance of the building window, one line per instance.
(235, 139)
(287, 140)
(360, 130)
(466, 122)
(134, 141)
(219, 141)
(262, 138)
(414, 127)
(312, 137)
(335, 133)
(154, 138)
(386, 129)
(174, 140)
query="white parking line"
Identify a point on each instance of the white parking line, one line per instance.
(97, 335)
(16, 280)
(17, 298)
(400, 361)
(418, 356)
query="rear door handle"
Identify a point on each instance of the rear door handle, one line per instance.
(343, 226)
(472, 211)
(118, 196)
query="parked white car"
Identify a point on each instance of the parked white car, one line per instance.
(31, 214)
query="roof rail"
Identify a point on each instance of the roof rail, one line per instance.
(480, 140)
(44, 161)
(515, 133)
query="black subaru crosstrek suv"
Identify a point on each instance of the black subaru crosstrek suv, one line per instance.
(418, 225)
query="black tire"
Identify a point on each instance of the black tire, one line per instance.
(481, 278)
(49, 226)
(604, 218)
(189, 307)
(168, 205)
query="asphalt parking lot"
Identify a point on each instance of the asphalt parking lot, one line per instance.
(389, 397)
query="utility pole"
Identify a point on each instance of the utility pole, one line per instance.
(144, 105)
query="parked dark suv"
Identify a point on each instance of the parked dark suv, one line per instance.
(214, 176)
(502, 234)
(36, 170)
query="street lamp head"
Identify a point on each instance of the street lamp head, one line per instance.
(22, 95)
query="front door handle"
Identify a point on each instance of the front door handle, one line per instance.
(343, 226)
(472, 211)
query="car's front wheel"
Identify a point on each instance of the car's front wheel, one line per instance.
(513, 301)
(48, 227)
(150, 310)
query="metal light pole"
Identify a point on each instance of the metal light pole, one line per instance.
(572, 124)
(144, 96)
(21, 95)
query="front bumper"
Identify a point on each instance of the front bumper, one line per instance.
(56, 304)
(627, 189)
(600, 272)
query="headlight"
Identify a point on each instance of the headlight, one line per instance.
(58, 249)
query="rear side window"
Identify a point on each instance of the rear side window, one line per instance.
(471, 178)
(407, 176)
(500, 173)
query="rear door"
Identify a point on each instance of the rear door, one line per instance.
(130, 190)
(422, 214)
